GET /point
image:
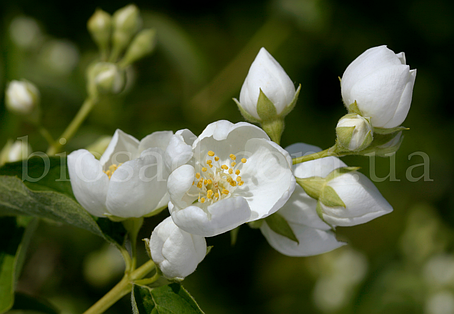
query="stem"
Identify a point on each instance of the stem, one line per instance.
(133, 225)
(121, 289)
(73, 126)
(332, 151)
(45, 133)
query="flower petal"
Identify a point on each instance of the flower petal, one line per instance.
(178, 152)
(156, 139)
(123, 147)
(311, 241)
(217, 218)
(179, 183)
(89, 182)
(138, 186)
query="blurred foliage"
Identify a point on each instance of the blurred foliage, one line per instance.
(406, 259)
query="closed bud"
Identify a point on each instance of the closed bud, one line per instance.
(126, 22)
(354, 132)
(106, 78)
(142, 45)
(99, 26)
(22, 97)
(16, 151)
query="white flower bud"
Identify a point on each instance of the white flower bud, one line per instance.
(107, 78)
(99, 26)
(22, 97)
(126, 22)
(354, 132)
(266, 75)
(176, 252)
(381, 84)
(142, 45)
(16, 151)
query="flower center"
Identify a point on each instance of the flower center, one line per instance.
(217, 181)
(111, 170)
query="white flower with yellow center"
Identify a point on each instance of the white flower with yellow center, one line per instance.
(229, 175)
(128, 181)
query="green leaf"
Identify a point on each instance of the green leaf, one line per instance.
(27, 304)
(18, 199)
(171, 299)
(278, 224)
(15, 234)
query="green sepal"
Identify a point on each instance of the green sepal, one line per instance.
(329, 197)
(379, 145)
(340, 171)
(115, 218)
(292, 104)
(319, 211)
(353, 108)
(344, 135)
(391, 130)
(147, 246)
(245, 114)
(313, 186)
(278, 224)
(265, 108)
(256, 224)
(209, 248)
(274, 128)
(234, 236)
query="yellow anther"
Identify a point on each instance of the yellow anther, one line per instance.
(209, 182)
(205, 181)
(204, 169)
(209, 161)
(240, 183)
(224, 191)
(216, 158)
(210, 194)
(238, 179)
(232, 156)
(243, 160)
(237, 172)
(216, 195)
(197, 175)
(230, 171)
(192, 182)
(229, 179)
(211, 153)
(233, 164)
(233, 183)
(202, 200)
(199, 184)
(224, 167)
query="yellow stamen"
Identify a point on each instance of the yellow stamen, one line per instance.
(237, 172)
(210, 194)
(224, 167)
(224, 191)
(202, 200)
(209, 161)
(241, 183)
(230, 171)
(216, 158)
(209, 182)
(232, 156)
(216, 195)
(197, 175)
(233, 183)
(199, 184)
(243, 160)
(238, 179)
(233, 164)
(211, 153)
(204, 169)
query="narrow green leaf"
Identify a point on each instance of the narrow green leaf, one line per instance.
(278, 224)
(27, 304)
(170, 299)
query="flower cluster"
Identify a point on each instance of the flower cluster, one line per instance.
(233, 174)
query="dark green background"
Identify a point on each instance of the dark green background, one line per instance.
(179, 87)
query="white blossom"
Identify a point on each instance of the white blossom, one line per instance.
(22, 97)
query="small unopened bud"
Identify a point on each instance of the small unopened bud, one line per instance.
(22, 97)
(126, 22)
(16, 151)
(354, 132)
(99, 26)
(142, 45)
(106, 78)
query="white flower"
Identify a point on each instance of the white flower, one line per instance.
(15, 151)
(229, 175)
(22, 97)
(266, 74)
(363, 202)
(381, 84)
(354, 132)
(314, 235)
(128, 181)
(176, 252)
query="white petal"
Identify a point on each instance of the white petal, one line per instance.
(89, 182)
(123, 147)
(138, 186)
(362, 199)
(311, 241)
(268, 179)
(218, 218)
(157, 139)
(177, 153)
(176, 252)
(179, 183)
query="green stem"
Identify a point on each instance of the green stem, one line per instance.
(332, 151)
(87, 106)
(121, 289)
(45, 133)
(133, 225)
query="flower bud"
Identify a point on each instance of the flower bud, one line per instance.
(378, 84)
(126, 22)
(176, 252)
(354, 132)
(99, 26)
(268, 77)
(106, 78)
(142, 45)
(16, 151)
(22, 97)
